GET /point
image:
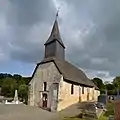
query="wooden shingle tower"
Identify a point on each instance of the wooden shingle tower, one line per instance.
(54, 47)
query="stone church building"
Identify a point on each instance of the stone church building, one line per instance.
(56, 83)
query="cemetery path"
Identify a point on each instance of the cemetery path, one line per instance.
(23, 112)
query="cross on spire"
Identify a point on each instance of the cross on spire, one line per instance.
(55, 34)
(57, 12)
(54, 46)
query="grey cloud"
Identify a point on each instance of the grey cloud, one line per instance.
(103, 42)
(90, 30)
(30, 12)
(22, 16)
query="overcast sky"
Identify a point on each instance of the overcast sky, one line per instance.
(90, 30)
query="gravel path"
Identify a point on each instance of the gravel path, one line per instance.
(23, 112)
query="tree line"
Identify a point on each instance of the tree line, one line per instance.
(112, 86)
(9, 83)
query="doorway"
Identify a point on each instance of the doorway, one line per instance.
(44, 98)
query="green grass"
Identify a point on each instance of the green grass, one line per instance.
(110, 111)
(78, 117)
(72, 119)
(102, 117)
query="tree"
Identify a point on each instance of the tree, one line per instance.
(8, 87)
(116, 82)
(109, 86)
(23, 92)
(17, 77)
(98, 82)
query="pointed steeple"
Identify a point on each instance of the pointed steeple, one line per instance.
(54, 46)
(55, 34)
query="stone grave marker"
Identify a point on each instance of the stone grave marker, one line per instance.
(89, 112)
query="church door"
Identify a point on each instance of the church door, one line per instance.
(44, 100)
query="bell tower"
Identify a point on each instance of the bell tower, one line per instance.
(54, 46)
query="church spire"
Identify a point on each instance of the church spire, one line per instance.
(54, 46)
(55, 34)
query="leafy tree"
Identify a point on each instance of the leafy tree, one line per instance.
(17, 77)
(9, 83)
(109, 86)
(23, 92)
(116, 82)
(8, 87)
(99, 83)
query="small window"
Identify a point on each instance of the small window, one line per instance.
(72, 89)
(82, 90)
(45, 86)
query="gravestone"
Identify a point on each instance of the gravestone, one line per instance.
(16, 97)
(89, 112)
(103, 99)
(111, 117)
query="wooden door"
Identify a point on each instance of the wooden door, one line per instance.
(44, 100)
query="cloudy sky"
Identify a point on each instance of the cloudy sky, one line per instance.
(90, 30)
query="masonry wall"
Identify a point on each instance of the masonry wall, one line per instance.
(96, 94)
(50, 74)
(65, 98)
(84, 96)
(45, 73)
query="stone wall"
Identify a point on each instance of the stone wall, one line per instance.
(65, 98)
(96, 94)
(44, 73)
(49, 73)
(84, 96)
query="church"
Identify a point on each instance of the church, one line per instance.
(56, 83)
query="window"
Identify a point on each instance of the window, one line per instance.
(45, 86)
(82, 90)
(72, 89)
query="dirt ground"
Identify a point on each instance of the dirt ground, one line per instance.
(23, 112)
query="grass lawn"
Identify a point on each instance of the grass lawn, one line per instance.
(102, 117)
(73, 118)
(110, 111)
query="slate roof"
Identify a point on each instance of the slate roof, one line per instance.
(55, 35)
(94, 85)
(69, 72)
